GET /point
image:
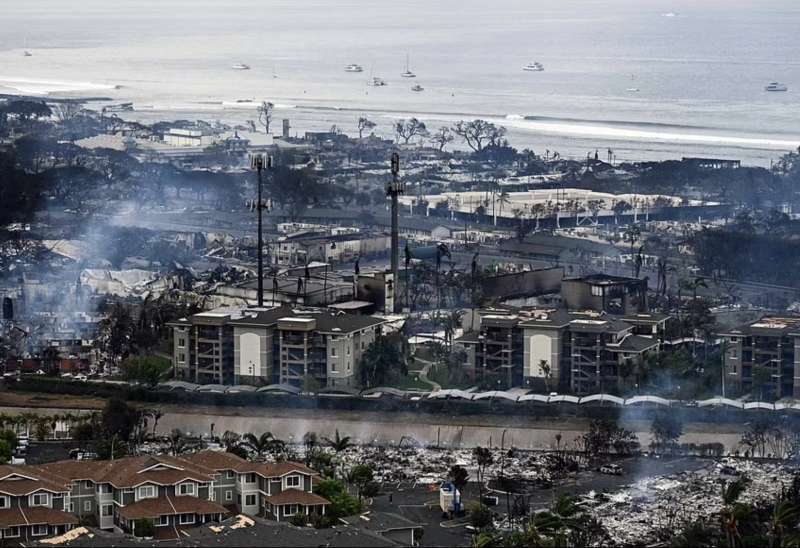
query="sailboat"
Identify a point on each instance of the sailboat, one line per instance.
(26, 52)
(408, 73)
(274, 72)
(374, 80)
(633, 89)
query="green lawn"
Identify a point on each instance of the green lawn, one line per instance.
(439, 375)
(411, 382)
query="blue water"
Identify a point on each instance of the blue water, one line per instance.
(700, 66)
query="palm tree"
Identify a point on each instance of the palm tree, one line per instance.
(231, 439)
(785, 516)
(260, 444)
(729, 516)
(339, 444)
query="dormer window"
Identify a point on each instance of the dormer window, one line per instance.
(293, 481)
(186, 489)
(147, 492)
(39, 499)
(5, 502)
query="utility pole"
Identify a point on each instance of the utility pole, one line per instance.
(393, 190)
(259, 162)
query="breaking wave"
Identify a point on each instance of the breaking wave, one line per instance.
(32, 86)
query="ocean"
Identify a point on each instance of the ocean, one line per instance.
(648, 79)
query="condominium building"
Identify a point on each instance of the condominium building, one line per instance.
(579, 351)
(764, 354)
(273, 345)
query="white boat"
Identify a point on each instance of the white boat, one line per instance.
(533, 67)
(353, 68)
(28, 54)
(377, 82)
(417, 87)
(408, 73)
(776, 86)
(241, 66)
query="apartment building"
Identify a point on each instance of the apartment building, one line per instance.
(278, 345)
(764, 355)
(557, 349)
(171, 492)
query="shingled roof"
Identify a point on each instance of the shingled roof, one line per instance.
(170, 506)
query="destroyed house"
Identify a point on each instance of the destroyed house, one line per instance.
(763, 357)
(278, 345)
(549, 349)
(172, 493)
(604, 293)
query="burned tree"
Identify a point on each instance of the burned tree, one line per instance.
(265, 114)
(442, 137)
(364, 124)
(407, 129)
(478, 134)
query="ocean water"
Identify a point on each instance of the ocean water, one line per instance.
(700, 66)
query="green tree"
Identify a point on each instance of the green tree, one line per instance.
(383, 362)
(361, 475)
(149, 370)
(5, 452)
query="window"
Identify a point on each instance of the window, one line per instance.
(87, 506)
(597, 291)
(39, 499)
(291, 509)
(228, 495)
(186, 489)
(250, 478)
(11, 532)
(186, 519)
(182, 357)
(39, 530)
(333, 352)
(293, 481)
(87, 484)
(106, 511)
(71, 508)
(181, 342)
(348, 350)
(249, 500)
(147, 492)
(4, 502)
(163, 520)
(230, 474)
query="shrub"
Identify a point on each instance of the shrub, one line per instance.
(144, 528)
(479, 515)
(298, 520)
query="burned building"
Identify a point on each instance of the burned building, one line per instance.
(601, 292)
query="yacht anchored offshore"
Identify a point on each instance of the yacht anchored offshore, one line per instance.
(241, 66)
(533, 67)
(353, 68)
(776, 86)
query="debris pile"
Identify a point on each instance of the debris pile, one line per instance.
(652, 509)
(429, 465)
